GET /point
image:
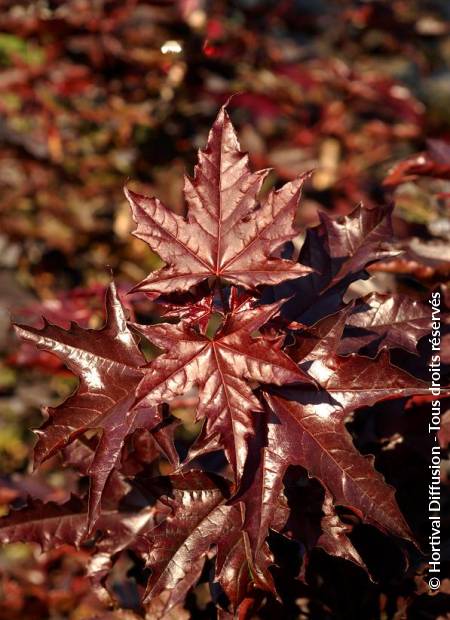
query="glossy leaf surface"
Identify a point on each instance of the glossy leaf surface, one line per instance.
(275, 377)
(108, 363)
(227, 233)
(339, 250)
(387, 321)
(222, 368)
(306, 427)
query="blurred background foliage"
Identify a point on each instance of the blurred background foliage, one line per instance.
(95, 92)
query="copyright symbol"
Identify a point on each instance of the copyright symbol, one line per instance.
(434, 583)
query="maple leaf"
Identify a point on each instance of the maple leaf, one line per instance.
(353, 381)
(46, 523)
(108, 363)
(387, 321)
(338, 250)
(357, 240)
(177, 548)
(236, 571)
(51, 525)
(300, 518)
(334, 538)
(227, 234)
(274, 391)
(196, 306)
(307, 427)
(222, 368)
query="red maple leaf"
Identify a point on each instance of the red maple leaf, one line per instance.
(222, 367)
(108, 362)
(227, 234)
(272, 393)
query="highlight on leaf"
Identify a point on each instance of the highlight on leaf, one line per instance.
(227, 233)
(273, 358)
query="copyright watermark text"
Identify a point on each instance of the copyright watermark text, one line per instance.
(434, 488)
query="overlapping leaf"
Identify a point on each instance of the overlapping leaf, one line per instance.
(339, 250)
(108, 363)
(387, 321)
(307, 427)
(270, 397)
(222, 368)
(176, 550)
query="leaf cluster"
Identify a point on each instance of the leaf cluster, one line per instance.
(278, 357)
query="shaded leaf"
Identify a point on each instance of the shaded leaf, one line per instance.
(46, 524)
(339, 250)
(306, 427)
(389, 320)
(176, 550)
